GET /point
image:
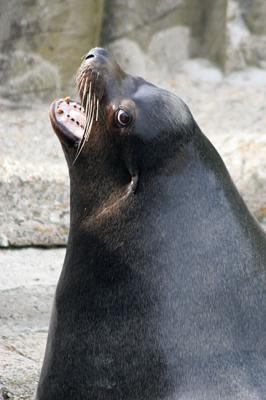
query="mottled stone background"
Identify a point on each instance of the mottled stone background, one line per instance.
(212, 53)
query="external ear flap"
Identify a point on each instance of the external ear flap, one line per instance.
(161, 110)
(68, 121)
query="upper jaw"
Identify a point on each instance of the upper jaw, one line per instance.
(90, 78)
(100, 75)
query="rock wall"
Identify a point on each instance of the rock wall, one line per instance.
(160, 36)
(41, 44)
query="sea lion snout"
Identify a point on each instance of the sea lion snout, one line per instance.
(96, 52)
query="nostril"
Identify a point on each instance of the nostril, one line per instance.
(89, 56)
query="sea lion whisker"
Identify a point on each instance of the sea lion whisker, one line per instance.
(85, 137)
(89, 94)
(87, 127)
(84, 90)
(87, 107)
(88, 115)
(87, 110)
(88, 124)
(97, 110)
(91, 115)
(81, 145)
(80, 78)
(78, 151)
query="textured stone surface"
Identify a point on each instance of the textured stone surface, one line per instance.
(212, 23)
(230, 33)
(129, 54)
(254, 13)
(165, 53)
(26, 294)
(237, 38)
(245, 35)
(41, 43)
(40, 53)
(34, 192)
(178, 28)
(255, 53)
(161, 60)
(124, 18)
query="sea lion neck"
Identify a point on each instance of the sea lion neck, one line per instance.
(97, 179)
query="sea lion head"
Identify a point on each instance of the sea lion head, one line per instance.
(123, 127)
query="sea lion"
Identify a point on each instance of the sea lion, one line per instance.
(162, 295)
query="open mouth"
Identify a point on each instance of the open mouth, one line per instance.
(68, 119)
(73, 121)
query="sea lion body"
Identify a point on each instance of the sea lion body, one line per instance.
(162, 295)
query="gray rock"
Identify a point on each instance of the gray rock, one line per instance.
(28, 77)
(169, 48)
(245, 157)
(132, 58)
(162, 58)
(42, 42)
(250, 76)
(230, 33)
(199, 69)
(176, 28)
(255, 51)
(26, 294)
(245, 46)
(40, 54)
(254, 13)
(136, 16)
(237, 39)
(3, 240)
(34, 187)
(212, 30)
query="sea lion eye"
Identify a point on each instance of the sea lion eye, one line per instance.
(122, 117)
